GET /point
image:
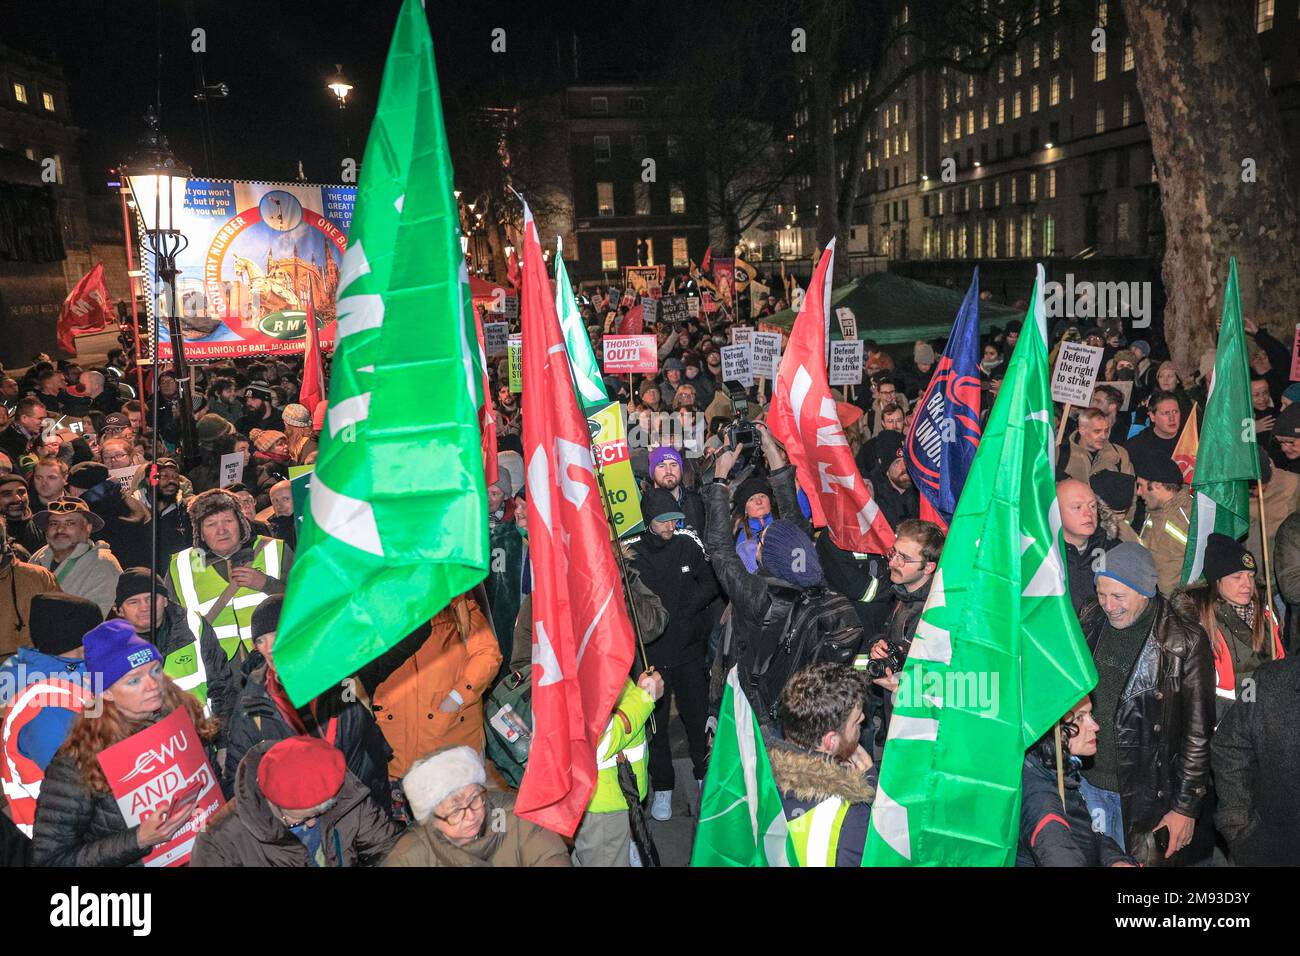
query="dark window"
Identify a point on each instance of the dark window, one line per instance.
(1033, 138)
(999, 148)
(1054, 132)
(984, 152)
(970, 156)
(636, 104)
(1015, 144)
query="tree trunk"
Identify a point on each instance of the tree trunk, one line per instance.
(1208, 110)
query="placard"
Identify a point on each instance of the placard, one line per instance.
(846, 362)
(1075, 373)
(848, 322)
(675, 308)
(737, 364)
(232, 466)
(608, 427)
(495, 337)
(149, 768)
(630, 353)
(649, 309)
(766, 354)
(515, 349)
(741, 334)
(638, 279)
(125, 475)
(693, 305)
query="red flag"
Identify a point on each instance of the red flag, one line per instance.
(84, 310)
(512, 270)
(1189, 442)
(582, 639)
(707, 260)
(487, 419)
(633, 322)
(313, 371)
(804, 419)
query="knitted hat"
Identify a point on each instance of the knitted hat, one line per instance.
(296, 415)
(923, 353)
(1224, 556)
(503, 482)
(113, 649)
(1142, 347)
(1158, 467)
(266, 616)
(136, 581)
(299, 773)
(210, 427)
(691, 359)
(1288, 420)
(664, 451)
(264, 439)
(886, 445)
(1114, 488)
(660, 505)
(648, 385)
(674, 365)
(512, 463)
(213, 501)
(59, 621)
(1131, 565)
(1127, 355)
(753, 485)
(785, 552)
(260, 390)
(434, 778)
(86, 475)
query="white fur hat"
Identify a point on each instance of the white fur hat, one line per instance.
(434, 778)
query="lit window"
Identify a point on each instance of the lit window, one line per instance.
(1127, 110)
(1054, 91)
(1016, 107)
(605, 198)
(636, 104)
(1037, 55)
(1051, 184)
(945, 133)
(956, 126)
(997, 193)
(1128, 55)
(970, 121)
(887, 145)
(676, 199)
(1056, 45)
(1049, 235)
(984, 117)
(1100, 125)
(1072, 84)
(47, 100)
(1026, 236)
(1099, 65)
(1033, 98)
(906, 147)
(20, 93)
(1013, 190)
(600, 144)
(1011, 237)
(1002, 71)
(1002, 110)
(1263, 15)
(608, 254)
(943, 101)
(970, 86)
(642, 193)
(1033, 187)
(1017, 66)
(1103, 13)
(993, 238)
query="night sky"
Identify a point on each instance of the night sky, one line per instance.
(276, 55)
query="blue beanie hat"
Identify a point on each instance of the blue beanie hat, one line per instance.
(787, 553)
(1131, 565)
(665, 451)
(114, 649)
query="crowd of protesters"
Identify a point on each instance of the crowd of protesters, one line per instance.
(1180, 755)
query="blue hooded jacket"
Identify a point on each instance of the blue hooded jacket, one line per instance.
(45, 733)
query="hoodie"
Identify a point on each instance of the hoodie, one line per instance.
(43, 734)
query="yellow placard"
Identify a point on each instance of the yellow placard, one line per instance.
(610, 450)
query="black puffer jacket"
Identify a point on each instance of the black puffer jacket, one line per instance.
(1078, 566)
(255, 717)
(1052, 836)
(677, 571)
(1165, 719)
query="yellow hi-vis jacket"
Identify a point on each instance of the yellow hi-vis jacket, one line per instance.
(197, 586)
(624, 737)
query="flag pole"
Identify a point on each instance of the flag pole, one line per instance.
(1263, 544)
(1065, 417)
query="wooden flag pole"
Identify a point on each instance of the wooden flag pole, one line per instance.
(1065, 417)
(1263, 544)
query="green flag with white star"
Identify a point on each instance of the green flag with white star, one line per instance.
(396, 513)
(582, 360)
(998, 656)
(1228, 456)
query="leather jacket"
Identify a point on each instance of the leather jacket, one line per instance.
(1164, 720)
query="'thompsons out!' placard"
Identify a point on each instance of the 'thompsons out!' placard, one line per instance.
(148, 770)
(257, 253)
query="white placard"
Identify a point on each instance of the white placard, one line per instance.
(737, 364)
(1076, 373)
(846, 362)
(494, 338)
(848, 322)
(124, 475)
(649, 310)
(693, 306)
(741, 334)
(232, 466)
(766, 355)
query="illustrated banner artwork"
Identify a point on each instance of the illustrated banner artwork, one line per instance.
(257, 253)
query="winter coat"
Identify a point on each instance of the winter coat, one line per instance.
(521, 843)
(1081, 465)
(90, 571)
(175, 533)
(1286, 570)
(1164, 534)
(1256, 759)
(44, 734)
(232, 411)
(1165, 717)
(1281, 500)
(862, 578)
(223, 680)
(126, 532)
(806, 778)
(678, 572)
(1078, 566)
(347, 723)
(19, 583)
(897, 506)
(460, 655)
(355, 831)
(504, 582)
(1054, 836)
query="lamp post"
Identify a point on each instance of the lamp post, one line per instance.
(340, 86)
(157, 180)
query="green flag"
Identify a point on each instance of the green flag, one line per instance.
(742, 822)
(1228, 456)
(396, 511)
(998, 656)
(586, 374)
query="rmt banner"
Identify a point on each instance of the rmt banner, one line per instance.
(1075, 373)
(630, 353)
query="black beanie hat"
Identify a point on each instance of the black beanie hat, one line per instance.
(886, 446)
(1115, 488)
(1157, 467)
(266, 616)
(751, 486)
(59, 621)
(136, 581)
(1224, 556)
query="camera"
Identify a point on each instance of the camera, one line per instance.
(893, 661)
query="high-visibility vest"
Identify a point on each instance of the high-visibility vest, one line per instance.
(20, 774)
(632, 710)
(198, 585)
(185, 664)
(1225, 674)
(815, 835)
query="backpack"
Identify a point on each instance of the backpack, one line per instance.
(509, 714)
(801, 627)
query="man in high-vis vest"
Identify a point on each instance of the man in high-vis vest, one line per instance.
(228, 572)
(827, 780)
(197, 664)
(1169, 512)
(42, 691)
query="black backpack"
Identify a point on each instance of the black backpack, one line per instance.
(801, 627)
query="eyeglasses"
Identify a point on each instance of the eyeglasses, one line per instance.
(457, 816)
(894, 554)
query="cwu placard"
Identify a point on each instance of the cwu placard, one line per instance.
(256, 254)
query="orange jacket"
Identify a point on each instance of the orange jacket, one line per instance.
(461, 654)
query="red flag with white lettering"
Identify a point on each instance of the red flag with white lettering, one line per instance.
(84, 310)
(582, 638)
(803, 418)
(487, 418)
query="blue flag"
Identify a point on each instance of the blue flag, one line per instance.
(945, 432)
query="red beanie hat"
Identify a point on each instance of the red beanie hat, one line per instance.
(301, 772)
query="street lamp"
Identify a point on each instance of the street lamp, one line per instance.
(157, 180)
(338, 85)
